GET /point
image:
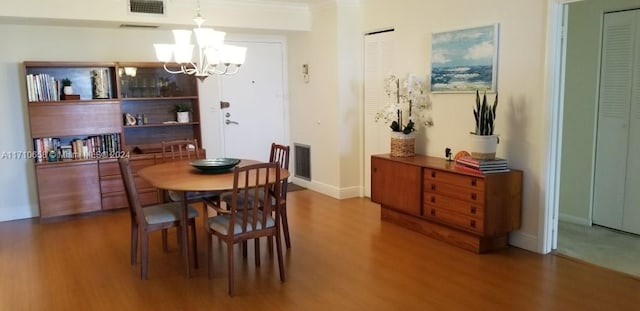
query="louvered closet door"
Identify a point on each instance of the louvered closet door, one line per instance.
(631, 213)
(617, 146)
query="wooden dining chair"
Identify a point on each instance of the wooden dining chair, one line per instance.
(244, 219)
(279, 154)
(184, 149)
(145, 220)
(187, 149)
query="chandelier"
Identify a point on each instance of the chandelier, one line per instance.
(214, 57)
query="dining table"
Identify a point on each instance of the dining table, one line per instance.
(183, 176)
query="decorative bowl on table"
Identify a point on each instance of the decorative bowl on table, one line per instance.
(217, 165)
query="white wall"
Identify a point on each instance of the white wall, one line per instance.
(39, 43)
(521, 120)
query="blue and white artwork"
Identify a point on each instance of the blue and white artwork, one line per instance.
(464, 60)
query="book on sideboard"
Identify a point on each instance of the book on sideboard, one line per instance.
(497, 165)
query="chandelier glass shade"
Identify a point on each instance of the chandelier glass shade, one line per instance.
(214, 57)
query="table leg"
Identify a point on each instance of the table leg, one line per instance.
(184, 223)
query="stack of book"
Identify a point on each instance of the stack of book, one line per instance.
(42, 87)
(483, 166)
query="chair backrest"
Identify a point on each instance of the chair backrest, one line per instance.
(280, 154)
(185, 149)
(135, 208)
(249, 181)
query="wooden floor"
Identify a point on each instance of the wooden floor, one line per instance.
(343, 258)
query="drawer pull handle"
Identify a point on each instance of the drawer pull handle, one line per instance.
(433, 199)
(473, 210)
(433, 174)
(433, 187)
(472, 223)
(433, 212)
(474, 182)
(474, 196)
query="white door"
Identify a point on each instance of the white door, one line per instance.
(617, 179)
(256, 114)
(378, 50)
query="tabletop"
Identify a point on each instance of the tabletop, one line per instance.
(181, 176)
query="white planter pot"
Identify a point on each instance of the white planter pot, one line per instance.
(183, 117)
(67, 90)
(483, 147)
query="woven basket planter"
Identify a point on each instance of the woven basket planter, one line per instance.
(403, 145)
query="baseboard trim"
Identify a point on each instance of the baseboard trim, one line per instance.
(334, 192)
(574, 220)
(524, 240)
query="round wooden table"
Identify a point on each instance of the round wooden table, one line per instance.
(181, 176)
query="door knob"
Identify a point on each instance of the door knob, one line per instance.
(227, 121)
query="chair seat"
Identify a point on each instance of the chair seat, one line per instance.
(167, 212)
(220, 223)
(193, 195)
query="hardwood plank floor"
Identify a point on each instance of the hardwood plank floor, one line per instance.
(342, 258)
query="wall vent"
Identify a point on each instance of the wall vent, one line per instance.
(147, 6)
(302, 155)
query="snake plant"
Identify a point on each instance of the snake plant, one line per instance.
(485, 115)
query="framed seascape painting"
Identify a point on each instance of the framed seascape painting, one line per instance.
(464, 60)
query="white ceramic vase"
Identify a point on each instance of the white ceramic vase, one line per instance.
(483, 147)
(67, 90)
(183, 116)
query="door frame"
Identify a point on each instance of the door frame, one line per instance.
(554, 93)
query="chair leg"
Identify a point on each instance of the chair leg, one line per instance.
(256, 254)
(144, 257)
(285, 226)
(210, 254)
(134, 243)
(194, 243)
(279, 251)
(244, 249)
(230, 267)
(165, 245)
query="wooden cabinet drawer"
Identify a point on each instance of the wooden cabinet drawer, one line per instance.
(111, 167)
(137, 164)
(119, 199)
(466, 208)
(438, 176)
(114, 184)
(454, 191)
(450, 218)
(148, 197)
(114, 201)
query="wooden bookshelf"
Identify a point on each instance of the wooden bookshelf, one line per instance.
(87, 184)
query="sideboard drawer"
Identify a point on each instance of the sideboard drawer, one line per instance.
(450, 218)
(473, 195)
(438, 176)
(459, 206)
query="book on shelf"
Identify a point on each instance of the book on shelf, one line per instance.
(42, 87)
(91, 147)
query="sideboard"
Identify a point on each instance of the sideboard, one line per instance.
(431, 195)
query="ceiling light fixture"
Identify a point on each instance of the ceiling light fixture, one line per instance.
(214, 57)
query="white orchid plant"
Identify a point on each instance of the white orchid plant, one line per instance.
(410, 103)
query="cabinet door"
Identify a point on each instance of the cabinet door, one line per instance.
(67, 189)
(396, 185)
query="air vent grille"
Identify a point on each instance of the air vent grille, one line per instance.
(146, 6)
(303, 161)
